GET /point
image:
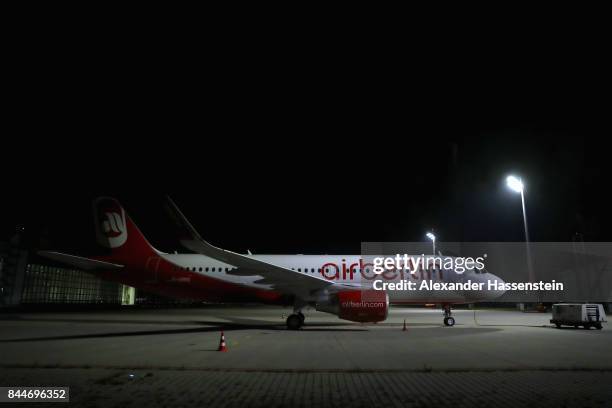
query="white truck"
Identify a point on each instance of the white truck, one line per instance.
(578, 314)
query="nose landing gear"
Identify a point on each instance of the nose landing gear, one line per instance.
(448, 319)
(295, 321)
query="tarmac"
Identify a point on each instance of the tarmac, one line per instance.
(168, 357)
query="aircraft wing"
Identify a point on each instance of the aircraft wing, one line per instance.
(280, 278)
(79, 262)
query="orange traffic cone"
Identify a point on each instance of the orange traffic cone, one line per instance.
(404, 329)
(222, 346)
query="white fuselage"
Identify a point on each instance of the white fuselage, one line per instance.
(348, 270)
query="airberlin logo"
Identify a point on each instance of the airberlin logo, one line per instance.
(332, 271)
(363, 271)
(110, 224)
(114, 225)
(362, 304)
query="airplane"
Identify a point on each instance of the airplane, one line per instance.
(336, 284)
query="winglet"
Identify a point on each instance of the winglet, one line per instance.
(188, 235)
(185, 229)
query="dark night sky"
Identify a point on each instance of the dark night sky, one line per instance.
(314, 163)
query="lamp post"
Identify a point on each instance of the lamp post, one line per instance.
(516, 184)
(431, 236)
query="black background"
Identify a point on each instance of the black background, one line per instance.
(296, 153)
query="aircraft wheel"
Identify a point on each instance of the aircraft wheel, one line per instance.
(558, 325)
(598, 326)
(587, 326)
(294, 322)
(449, 321)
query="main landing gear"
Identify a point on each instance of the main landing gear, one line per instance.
(295, 321)
(448, 319)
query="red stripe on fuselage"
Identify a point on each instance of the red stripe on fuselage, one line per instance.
(159, 276)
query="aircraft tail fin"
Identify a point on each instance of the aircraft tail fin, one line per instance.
(116, 231)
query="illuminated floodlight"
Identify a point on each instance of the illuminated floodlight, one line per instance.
(514, 184)
(431, 236)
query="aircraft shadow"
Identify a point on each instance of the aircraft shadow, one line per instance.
(206, 323)
(211, 327)
(111, 321)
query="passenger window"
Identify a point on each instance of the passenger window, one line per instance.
(206, 269)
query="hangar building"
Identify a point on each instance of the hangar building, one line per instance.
(24, 280)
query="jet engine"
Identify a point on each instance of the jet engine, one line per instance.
(356, 305)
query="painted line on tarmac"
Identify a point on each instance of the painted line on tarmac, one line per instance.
(310, 370)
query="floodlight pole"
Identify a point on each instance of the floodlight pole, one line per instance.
(527, 246)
